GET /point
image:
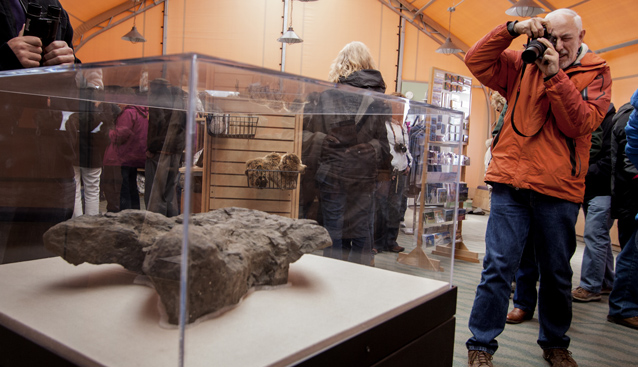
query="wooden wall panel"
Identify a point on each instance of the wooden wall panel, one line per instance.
(225, 182)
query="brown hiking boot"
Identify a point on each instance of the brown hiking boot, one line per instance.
(559, 357)
(516, 316)
(581, 294)
(631, 322)
(478, 358)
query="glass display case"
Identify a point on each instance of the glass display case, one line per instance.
(185, 189)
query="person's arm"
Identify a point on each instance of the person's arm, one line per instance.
(407, 145)
(574, 115)
(631, 130)
(123, 128)
(379, 134)
(491, 62)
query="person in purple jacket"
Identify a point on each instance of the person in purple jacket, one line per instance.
(124, 155)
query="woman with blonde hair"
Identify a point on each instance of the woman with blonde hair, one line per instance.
(351, 147)
(353, 57)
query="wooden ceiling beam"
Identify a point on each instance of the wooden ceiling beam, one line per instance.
(79, 31)
(437, 32)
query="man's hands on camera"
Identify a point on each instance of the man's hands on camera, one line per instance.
(535, 28)
(548, 64)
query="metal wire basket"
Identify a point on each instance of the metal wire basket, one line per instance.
(265, 179)
(225, 125)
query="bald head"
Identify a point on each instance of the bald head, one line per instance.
(567, 27)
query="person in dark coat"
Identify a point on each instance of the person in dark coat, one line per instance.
(624, 189)
(36, 172)
(164, 147)
(623, 300)
(597, 269)
(348, 129)
(124, 155)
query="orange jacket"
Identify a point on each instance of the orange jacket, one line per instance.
(556, 116)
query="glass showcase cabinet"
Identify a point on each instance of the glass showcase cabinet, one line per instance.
(155, 212)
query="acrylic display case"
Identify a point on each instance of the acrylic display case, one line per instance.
(210, 125)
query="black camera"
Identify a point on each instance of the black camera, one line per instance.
(43, 25)
(535, 48)
(400, 148)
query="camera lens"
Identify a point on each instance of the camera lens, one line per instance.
(534, 50)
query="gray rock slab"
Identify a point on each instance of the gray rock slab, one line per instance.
(231, 251)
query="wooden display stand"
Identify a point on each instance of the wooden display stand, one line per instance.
(449, 89)
(461, 251)
(417, 257)
(224, 180)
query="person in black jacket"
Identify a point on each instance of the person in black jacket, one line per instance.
(597, 269)
(36, 171)
(18, 51)
(624, 188)
(350, 130)
(164, 147)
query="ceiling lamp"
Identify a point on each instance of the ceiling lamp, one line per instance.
(134, 36)
(525, 8)
(448, 47)
(290, 37)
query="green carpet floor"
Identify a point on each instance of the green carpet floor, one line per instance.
(594, 341)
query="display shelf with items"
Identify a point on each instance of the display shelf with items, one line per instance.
(229, 180)
(438, 162)
(454, 91)
(201, 279)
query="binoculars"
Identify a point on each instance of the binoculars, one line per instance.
(41, 24)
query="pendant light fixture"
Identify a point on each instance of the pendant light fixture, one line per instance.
(133, 35)
(448, 47)
(525, 8)
(289, 36)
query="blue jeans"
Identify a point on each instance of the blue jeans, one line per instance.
(348, 212)
(597, 269)
(623, 300)
(525, 295)
(515, 215)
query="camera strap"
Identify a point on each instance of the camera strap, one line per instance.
(518, 93)
(23, 6)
